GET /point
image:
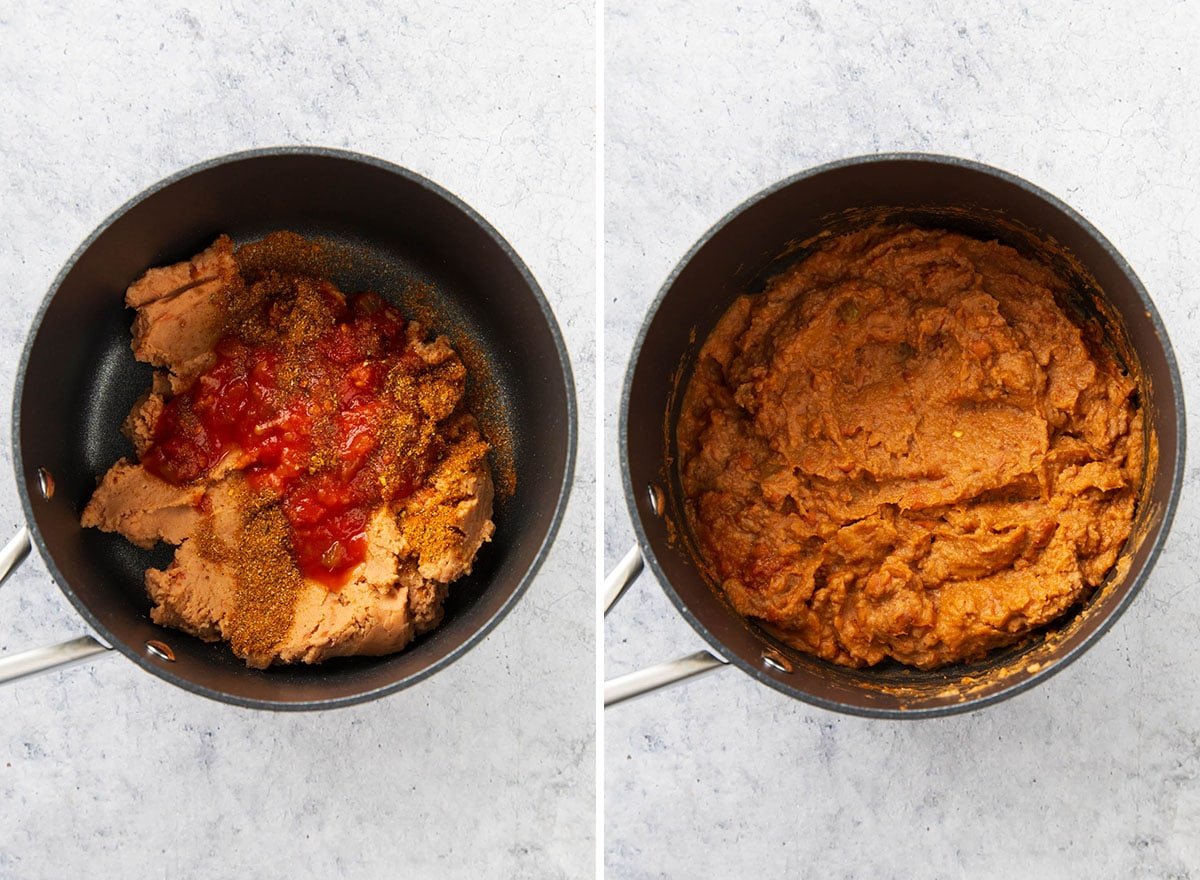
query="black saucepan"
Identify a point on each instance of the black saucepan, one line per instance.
(755, 241)
(404, 236)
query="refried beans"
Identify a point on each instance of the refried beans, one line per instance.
(905, 448)
(310, 453)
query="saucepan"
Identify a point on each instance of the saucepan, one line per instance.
(404, 236)
(758, 239)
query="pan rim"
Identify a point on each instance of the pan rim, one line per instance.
(646, 547)
(564, 489)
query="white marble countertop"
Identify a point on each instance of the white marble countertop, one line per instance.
(1093, 773)
(484, 770)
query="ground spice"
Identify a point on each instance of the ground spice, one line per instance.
(287, 253)
(485, 397)
(433, 529)
(260, 557)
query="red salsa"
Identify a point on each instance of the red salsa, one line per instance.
(308, 423)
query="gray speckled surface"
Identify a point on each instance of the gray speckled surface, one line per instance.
(1091, 774)
(485, 770)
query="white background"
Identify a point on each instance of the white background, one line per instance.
(485, 770)
(1093, 774)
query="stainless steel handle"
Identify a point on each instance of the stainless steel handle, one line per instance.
(38, 660)
(14, 553)
(652, 678)
(622, 577)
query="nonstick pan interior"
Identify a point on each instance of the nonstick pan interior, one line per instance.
(386, 230)
(776, 228)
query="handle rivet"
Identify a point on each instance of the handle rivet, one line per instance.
(45, 481)
(658, 502)
(161, 650)
(775, 659)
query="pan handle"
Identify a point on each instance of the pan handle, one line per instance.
(622, 577)
(37, 660)
(652, 678)
(14, 553)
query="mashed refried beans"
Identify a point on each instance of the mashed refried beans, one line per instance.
(905, 448)
(309, 452)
